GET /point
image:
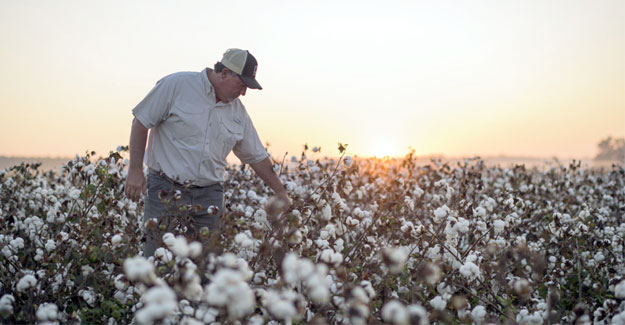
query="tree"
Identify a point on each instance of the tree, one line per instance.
(611, 149)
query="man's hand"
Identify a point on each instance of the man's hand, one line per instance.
(135, 184)
(283, 197)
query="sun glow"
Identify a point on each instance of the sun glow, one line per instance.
(383, 148)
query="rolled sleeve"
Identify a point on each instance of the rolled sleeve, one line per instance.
(250, 149)
(154, 108)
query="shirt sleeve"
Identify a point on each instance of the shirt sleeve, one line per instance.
(250, 150)
(154, 108)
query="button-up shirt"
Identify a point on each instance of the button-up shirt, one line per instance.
(191, 134)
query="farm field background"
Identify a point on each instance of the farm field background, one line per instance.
(401, 241)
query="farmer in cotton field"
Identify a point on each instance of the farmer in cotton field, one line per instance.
(196, 119)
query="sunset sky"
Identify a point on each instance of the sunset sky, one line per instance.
(458, 78)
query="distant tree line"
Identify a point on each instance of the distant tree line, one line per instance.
(611, 149)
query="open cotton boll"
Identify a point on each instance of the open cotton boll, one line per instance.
(619, 290)
(470, 270)
(117, 238)
(179, 247)
(329, 256)
(47, 312)
(438, 303)
(6, 304)
(441, 213)
(417, 314)
(26, 282)
(499, 226)
(138, 268)
(159, 302)
(395, 312)
(478, 313)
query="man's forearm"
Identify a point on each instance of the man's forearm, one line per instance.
(264, 170)
(138, 139)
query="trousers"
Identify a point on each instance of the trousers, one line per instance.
(164, 199)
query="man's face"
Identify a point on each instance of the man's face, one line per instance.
(231, 87)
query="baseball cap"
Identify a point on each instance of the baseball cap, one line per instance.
(243, 63)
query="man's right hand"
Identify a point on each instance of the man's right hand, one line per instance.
(135, 184)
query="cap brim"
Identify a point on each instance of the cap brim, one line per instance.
(250, 82)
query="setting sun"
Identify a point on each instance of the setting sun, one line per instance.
(383, 148)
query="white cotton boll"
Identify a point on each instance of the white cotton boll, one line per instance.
(366, 284)
(339, 245)
(395, 312)
(348, 161)
(462, 225)
(438, 303)
(418, 315)
(6, 304)
(47, 312)
(26, 282)
(195, 249)
(326, 213)
(169, 239)
(441, 213)
(74, 193)
(50, 245)
(138, 268)
(88, 296)
(252, 195)
(619, 318)
(116, 239)
(360, 295)
(470, 270)
(479, 212)
(319, 294)
(329, 256)
(179, 247)
(478, 313)
(243, 240)
(86, 270)
(499, 226)
(17, 244)
(394, 258)
(159, 302)
(120, 282)
(619, 290)
(163, 254)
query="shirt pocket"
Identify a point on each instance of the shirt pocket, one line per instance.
(185, 123)
(231, 133)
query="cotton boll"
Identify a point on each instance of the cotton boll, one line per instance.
(163, 255)
(478, 313)
(50, 245)
(441, 213)
(117, 238)
(619, 290)
(140, 269)
(6, 304)
(394, 258)
(438, 303)
(470, 270)
(159, 302)
(47, 312)
(498, 226)
(179, 247)
(417, 314)
(395, 312)
(195, 249)
(26, 282)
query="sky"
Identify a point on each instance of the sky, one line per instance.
(455, 78)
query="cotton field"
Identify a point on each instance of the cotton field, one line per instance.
(365, 241)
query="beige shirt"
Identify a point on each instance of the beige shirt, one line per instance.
(191, 133)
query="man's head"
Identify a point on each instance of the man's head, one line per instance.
(235, 73)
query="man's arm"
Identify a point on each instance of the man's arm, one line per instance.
(135, 181)
(264, 170)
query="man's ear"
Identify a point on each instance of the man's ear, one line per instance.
(224, 73)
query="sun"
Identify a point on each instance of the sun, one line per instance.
(383, 148)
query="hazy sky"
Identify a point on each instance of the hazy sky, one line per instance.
(532, 78)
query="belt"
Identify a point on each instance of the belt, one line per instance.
(171, 180)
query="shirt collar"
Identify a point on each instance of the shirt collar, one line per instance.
(208, 87)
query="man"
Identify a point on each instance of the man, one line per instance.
(196, 119)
